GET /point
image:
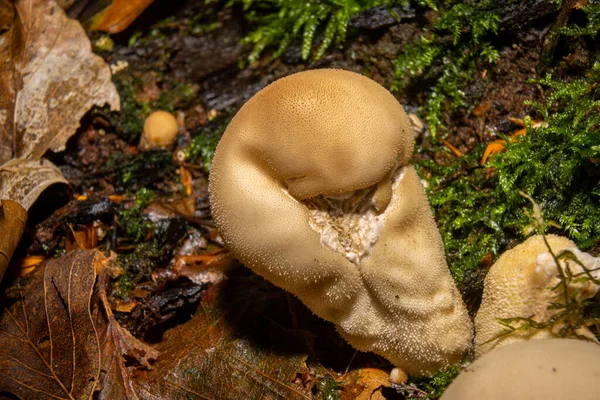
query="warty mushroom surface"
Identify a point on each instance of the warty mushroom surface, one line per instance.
(311, 188)
(524, 283)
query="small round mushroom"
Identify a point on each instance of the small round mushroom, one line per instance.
(160, 130)
(548, 369)
(520, 285)
(311, 188)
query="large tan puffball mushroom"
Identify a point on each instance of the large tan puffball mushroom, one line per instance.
(310, 187)
(160, 131)
(549, 369)
(519, 285)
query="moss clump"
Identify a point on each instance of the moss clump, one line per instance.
(202, 149)
(180, 96)
(446, 57)
(472, 216)
(559, 165)
(132, 172)
(435, 385)
(122, 286)
(134, 224)
(591, 27)
(203, 145)
(129, 122)
(328, 388)
(479, 209)
(281, 22)
(149, 255)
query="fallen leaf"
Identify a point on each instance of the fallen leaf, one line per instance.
(119, 15)
(22, 181)
(12, 223)
(7, 14)
(372, 379)
(207, 358)
(84, 239)
(203, 268)
(49, 78)
(48, 344)
(28, 264)
(65, 4)
(117, 343)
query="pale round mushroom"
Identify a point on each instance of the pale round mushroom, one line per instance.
(547, 369)
(310, 187)
(160, 130)
(523, 283)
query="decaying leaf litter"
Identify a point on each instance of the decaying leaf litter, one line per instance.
(219, 335)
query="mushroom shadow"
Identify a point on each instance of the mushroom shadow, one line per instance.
(276, 321)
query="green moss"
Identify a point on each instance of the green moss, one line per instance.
(134, 224)
(435, 385)
(156, 251)
(446, 57)
(203, 145)
(479, 209)
(122, 286)
(132, 172)
(558, 165)
(180, 96)
(592, 22)
(328, 388)
(279, 23)
(129, 122)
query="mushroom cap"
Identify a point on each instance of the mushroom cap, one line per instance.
(324, 132)
(310, 188)
(518, 285)
(160, 130)
(548, 369)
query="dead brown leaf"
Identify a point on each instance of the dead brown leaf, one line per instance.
(119, 15)
(22, 181)
(49, 78)
(117, 343)
(373, 380)
(206, 358)
(48, 344)
(12, 221)
(7, 14)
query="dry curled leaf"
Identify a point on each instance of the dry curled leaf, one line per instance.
(119, 15)
(207, 358)
(7, 13)
(372, 380)
(49, 78)
(23, 181)
(48, 344)
(12, 224)
(116, 344)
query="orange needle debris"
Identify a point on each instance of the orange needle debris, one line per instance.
(456, 151)
(498, 145)
(492, 148)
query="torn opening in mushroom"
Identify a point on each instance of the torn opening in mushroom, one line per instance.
(350, 223)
